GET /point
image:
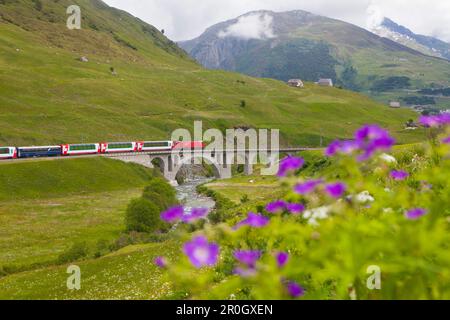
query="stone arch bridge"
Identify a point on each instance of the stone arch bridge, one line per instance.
(221, 161)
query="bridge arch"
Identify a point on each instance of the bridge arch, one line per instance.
(159, 162)
(179, 162)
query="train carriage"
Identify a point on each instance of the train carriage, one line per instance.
(154, 146)
(8, 153)
(80, 149)
(119, 147)
(39, 152)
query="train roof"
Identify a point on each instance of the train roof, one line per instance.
(39, 147)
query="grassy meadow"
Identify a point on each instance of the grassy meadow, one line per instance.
(48, 206)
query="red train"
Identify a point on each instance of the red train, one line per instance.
(96, 148)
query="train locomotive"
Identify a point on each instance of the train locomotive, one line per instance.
(67, 150)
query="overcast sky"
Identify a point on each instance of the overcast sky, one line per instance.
(187, 19)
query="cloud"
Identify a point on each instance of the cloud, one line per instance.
(187, 19)
(251, 26)
(374, 16)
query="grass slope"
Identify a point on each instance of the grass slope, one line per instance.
(48, 96)
(127, 274)
(61, 178)
(47, 206)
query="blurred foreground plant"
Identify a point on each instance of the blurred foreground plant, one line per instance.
(325, 237)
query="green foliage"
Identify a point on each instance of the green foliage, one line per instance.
(244, 199)
(331, 254)
(79, 250)
(222, 210)
(436, 91)
(391, 83)
(142, 216)
(349, 78)
(419, 100)
(160, 193)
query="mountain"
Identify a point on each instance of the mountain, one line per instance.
(299, 44)
(425, 44)
(120, 79)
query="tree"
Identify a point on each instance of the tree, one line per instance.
(142, 216)
(349, 77)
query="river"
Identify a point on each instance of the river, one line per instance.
(188, 196)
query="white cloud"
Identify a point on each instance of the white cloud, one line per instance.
(186, 19)
(374, 16)
(251, 26)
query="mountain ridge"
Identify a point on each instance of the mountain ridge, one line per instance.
(425, 44)
(310, 46)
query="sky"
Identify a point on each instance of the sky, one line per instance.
(187, 19)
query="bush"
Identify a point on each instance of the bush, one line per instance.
(142, 216)
(78, 251)
(160, 193)
(244, 199)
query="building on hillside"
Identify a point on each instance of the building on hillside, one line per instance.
(325, 82)
(395, 104)
(296, 83)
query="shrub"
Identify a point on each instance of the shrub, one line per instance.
(160, 193)
(142, 216)
(78, 251)
(245, 199)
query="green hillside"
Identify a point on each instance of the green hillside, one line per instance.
(139, 85)
(51, 179)
(48, 206)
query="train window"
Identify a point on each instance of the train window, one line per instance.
(120, 145)
(156, 144)
(4, 151)
(83, 147)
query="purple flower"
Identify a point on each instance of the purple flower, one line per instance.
(372, 138)
(276, 206)
(349, 146)
(248, 257)
(160, 262)
(429, 121)
(415, 213)
(254, 220)
(282, 259)
(295, 208)
(446, 140)
(335, 190)
(289, 164)
(333, 148)
(173, 214)
(435, 121)
(245, 272)
(295, 290)
(344, 147)
(195, 215)
(201, 253)
(399, 175)
(307, 187)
